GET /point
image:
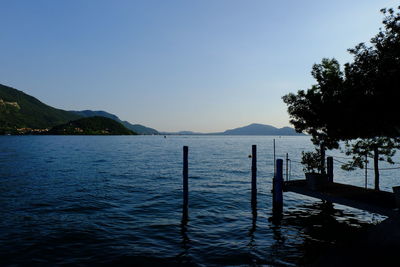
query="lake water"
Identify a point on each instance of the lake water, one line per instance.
(117, 200)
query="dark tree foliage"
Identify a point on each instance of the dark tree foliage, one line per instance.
(91, 126)
(360, 104)
(372, 84)
(363, 101)
(372, 95)
(313, 111)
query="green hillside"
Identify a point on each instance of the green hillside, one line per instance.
(137, 128)
(91, 126)
(19, 110)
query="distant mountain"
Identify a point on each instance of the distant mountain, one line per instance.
(140, 129)
(91, 126)
(188, 133)
(261, 129)
(182, 133)
(252, 129)
(19, 110)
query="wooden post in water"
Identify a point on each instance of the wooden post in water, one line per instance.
(329, 164)
(254, 175)
(277, 189)
(366, 171)
(287, 166)
(274, 160)
(185, 175)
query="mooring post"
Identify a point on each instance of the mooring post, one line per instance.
(254, 175)
(329, 164)
(366, 171)
(185, 180)
(274, 160)
(277, 189)
(287, 166)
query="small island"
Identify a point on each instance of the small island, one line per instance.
(91, 126)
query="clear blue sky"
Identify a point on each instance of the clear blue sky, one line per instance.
(177, 65)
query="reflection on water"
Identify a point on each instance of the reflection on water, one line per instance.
(184, 257)
(321, 227)
(253, 227)
(118, 200)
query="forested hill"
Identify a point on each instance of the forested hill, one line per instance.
(21, 113)
(140, 129)
(91, 126)
(19, 110)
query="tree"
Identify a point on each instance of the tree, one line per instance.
(359, 103)
(372, 81)
(371, 92)
(312, 111)
(362, 101)
(378, 148)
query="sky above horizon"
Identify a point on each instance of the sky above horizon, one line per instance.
(203, 66)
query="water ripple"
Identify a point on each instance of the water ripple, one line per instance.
(88, 200)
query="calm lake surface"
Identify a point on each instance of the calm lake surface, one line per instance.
(117, 200)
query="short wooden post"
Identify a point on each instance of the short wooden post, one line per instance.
(185, 175)
(254, 175)
(277, 189)
(329, 165)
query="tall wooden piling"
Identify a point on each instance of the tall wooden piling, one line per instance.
(277, 189)
(254, 175)
(287, 166)
(329, 165)
(185, 175)
(366, 171)
(274, 160)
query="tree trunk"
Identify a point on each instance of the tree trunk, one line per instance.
(376, 167)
